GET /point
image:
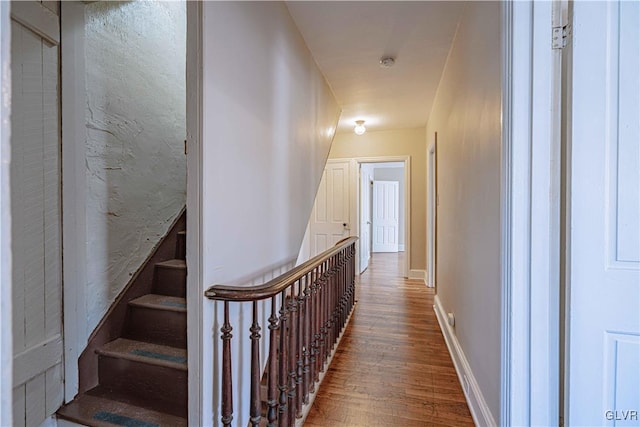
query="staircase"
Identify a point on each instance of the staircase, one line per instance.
(142, 373)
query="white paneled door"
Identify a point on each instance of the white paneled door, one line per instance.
(604, 209)
(330, 217)
(386, 217)
(35, 212)
(366, 182)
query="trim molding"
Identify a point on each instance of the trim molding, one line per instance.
(400, 248)
(418, 274)
(74, 223)
(477, 404)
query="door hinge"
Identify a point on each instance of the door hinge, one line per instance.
(185, 146)
(560, 36)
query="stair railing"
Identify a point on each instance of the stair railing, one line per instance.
(309, 308)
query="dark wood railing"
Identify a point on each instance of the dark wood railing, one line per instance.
(309, 307)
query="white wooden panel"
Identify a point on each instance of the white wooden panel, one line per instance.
(624, 122)
(38, 19)
(35, 401)
(6, 320)
(37, 359)
(54, 392)
(18, 245)
(19, 406)
(622, 378)
(37, 283)
(340, 203)
(52, 196)
(31, 188)
(320, 210)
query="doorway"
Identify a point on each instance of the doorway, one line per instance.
(383, 208)
(123, 126)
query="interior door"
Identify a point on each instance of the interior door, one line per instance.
(35, 212)
(603, 312)
(330, 217)
(386, 220)
(366, 182)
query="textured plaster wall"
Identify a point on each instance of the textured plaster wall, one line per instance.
(467, 116)
(135, 118)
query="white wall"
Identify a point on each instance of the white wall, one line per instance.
(268, 119)
(135, 119)
(397, 175)
(467, 116)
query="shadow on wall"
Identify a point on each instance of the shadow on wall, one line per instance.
(135, 56)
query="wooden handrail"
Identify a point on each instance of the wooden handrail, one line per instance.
(308, 310)
(277, 285)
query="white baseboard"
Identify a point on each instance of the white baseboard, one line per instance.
(477, 404)
(418, 274)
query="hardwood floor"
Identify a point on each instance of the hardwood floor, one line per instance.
(392, 367)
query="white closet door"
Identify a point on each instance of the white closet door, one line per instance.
(35, 210)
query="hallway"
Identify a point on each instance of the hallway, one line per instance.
(392, 367)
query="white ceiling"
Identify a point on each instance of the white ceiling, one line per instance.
(347, 40)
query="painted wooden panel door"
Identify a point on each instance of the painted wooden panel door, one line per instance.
(35, 211)
(604, 260)
(386, 219)
(366, 179)
(330, 217)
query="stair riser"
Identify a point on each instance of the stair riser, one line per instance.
(158, 326)
(181, 246)
(163, 385)
(170, 281)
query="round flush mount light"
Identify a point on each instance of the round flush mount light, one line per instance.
(359, 129)
(387, 61)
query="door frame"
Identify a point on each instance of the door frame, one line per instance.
(530, 216)
(6, 319)
(432, 201)
(74, 225)
(355, 204)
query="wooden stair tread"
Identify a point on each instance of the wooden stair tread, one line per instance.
(97, 411)
(139, 351)
(178, 264)
(161, 302)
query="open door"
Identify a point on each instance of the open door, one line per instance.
(366, 182)
(603, 311)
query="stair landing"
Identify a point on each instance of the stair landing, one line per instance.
(107, 412)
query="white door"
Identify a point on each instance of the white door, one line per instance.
(35, 213)
(604, 212)
(366, 182)
(385, 216)
(330, 217)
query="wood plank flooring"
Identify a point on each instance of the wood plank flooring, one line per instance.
(392, 367)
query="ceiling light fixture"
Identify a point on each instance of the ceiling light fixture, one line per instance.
(387, 61)
(359, 129)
